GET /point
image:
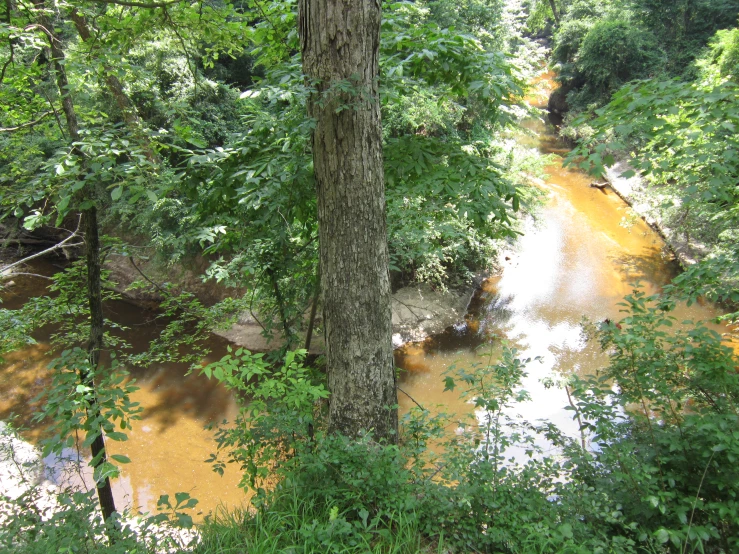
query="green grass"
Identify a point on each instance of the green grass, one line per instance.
(293, 525)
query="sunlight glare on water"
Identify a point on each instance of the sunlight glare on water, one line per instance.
(578, 258)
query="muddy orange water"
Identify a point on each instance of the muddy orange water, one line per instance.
(169, 445)
(577, 258)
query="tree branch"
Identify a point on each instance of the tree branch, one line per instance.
(48, 250)
(128, 4)
(56, 114)
(413, 399)
(11, 58)
(26, 125)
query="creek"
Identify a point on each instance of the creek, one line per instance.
(577, 258)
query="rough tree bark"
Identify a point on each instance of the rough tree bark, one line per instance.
(340, 43)
(92, 245)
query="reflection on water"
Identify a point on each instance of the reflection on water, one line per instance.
(167, 447)
(578, 259)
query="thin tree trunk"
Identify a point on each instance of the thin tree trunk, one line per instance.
(280, 306)
(555, 13)
(95, 345)
(340, 44)
(105, 493)
(313, 309)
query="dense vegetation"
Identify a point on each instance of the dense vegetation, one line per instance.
(193, 139)
(656, 82)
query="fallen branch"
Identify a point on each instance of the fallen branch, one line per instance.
(14, 274)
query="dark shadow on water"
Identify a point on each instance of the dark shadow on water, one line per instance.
(651, 268)
(487, 313)
(25, 376)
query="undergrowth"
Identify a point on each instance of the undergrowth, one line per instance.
(653, 470)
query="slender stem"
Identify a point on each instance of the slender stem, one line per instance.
(695, 502)
(412, 399)
(579, 419)
(313, 309)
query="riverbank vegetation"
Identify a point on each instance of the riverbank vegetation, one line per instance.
(185, 128)
(656, 83)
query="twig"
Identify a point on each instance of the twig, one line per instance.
(410, 308)
(413, 399)
(56, 114)
(44, 252)
(697, 493)
(191, 66)
(160, 289)
(438, 469)
(579, 419)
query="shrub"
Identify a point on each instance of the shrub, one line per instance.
(615, 52)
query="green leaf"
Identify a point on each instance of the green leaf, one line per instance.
(117, 436)
(184, 520)
(106, 470)
(120, 458)
(116, 194)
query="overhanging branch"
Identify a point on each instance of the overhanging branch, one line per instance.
(138, 4)
(26, 125)
(57, 246)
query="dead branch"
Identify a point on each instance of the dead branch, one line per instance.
(62, 244)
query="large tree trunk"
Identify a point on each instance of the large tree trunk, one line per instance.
(340, 44)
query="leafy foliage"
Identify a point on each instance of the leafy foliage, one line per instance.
(614, 52)
(660, 421)
(685, 145)
(601, 46)
(279, 416)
